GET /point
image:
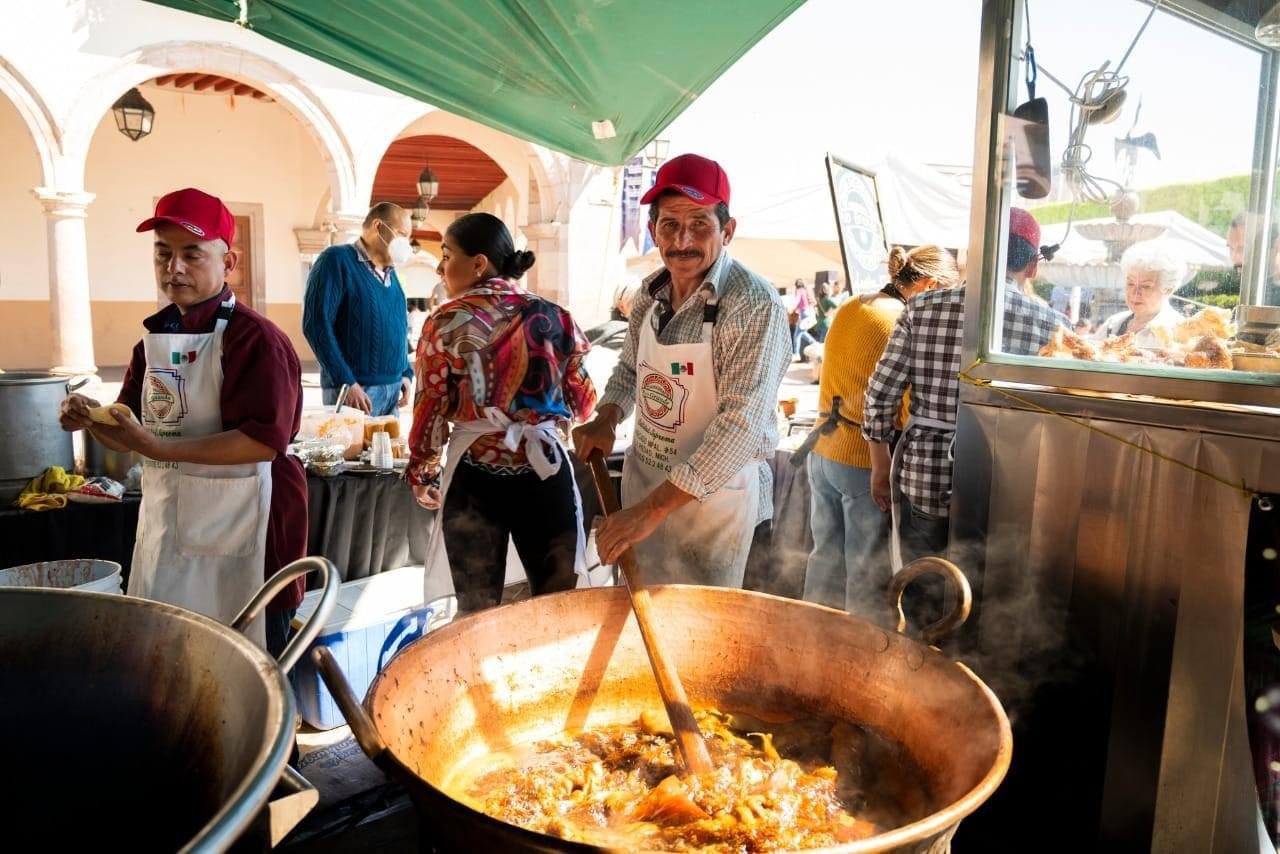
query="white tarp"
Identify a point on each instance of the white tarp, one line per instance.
(919, 205)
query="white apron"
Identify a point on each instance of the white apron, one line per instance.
(202, 530)
(538, 440)
(703, 542)
(895, 483)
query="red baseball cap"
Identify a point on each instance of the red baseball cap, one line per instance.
(1024, 225)
(203, 215)
(700, 179)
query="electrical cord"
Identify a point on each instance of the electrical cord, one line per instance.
(1096, 98)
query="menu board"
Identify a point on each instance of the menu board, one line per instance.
(861, 227)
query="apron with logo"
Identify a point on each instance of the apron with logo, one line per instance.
(202, 529)
(895, 484)
(703, 542)
(546, 453)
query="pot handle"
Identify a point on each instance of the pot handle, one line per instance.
(949, 622)
(76, 383)
(311, 628)
(361, 726)
(293, 798)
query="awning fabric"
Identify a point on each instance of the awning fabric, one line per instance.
(541, 70)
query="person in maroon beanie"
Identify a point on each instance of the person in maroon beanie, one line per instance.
(215, 389)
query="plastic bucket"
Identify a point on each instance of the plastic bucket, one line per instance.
(95, 576)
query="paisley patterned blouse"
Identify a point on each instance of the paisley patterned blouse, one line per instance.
(496, 345)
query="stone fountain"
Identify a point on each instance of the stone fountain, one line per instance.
(1121, 234)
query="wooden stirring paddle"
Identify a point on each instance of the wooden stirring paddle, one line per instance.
(692, 748)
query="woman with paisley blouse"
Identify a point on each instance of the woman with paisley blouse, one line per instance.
(500, 379)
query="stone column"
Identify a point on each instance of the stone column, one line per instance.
(548, 278)
(69, 296)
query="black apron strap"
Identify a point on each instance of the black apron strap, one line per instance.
(828, 423)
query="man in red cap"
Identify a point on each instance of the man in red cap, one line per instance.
(217, 388)
(706, 348)
(923, 353)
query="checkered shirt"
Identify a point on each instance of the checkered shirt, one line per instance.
(750, 352)
(924, 354)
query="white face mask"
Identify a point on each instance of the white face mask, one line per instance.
(398, 248)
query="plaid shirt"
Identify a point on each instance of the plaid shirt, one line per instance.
(750, 352)
(924, 353)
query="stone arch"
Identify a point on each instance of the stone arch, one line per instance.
(37, 118)
(99, 93)
(516, 157)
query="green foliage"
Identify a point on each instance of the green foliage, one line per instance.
(1220, 300)
(1212, 204)
(1225, 283)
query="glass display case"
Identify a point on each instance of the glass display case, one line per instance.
(1142, 138)
(1116, 480)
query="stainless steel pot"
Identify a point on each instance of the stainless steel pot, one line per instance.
(526, 671)
(137, 723)
(101, 460)
(30, 438)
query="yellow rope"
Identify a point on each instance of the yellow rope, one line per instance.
(967, 377)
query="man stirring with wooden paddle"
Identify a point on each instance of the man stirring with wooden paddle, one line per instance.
(705, 352)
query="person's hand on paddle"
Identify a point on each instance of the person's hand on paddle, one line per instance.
(624, 529)
(599, 434)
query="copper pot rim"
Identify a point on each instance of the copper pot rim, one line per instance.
(935, 823)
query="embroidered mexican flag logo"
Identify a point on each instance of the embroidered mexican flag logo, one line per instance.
(187, 358)
(678, 368)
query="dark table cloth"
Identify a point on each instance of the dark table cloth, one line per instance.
(101, 531)
(366, 523)
(370, 523)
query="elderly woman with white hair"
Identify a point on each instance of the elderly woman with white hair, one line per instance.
(1152, 272)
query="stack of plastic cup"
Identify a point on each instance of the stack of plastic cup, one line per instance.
(380, 456)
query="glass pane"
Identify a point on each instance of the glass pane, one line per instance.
(1149, 164)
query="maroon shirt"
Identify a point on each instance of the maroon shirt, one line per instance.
(262, 398)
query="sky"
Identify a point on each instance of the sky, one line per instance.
(862, 79)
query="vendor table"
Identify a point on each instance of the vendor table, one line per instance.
(102, 531)
(370, 523)
(366, 523)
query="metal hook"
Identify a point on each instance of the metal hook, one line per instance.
(1033, 72)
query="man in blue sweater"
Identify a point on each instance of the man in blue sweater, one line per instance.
(355, 317)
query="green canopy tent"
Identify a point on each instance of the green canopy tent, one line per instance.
(596, 79)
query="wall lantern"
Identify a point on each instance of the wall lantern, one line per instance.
(134, 115)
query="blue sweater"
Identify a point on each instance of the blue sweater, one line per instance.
(357, 327)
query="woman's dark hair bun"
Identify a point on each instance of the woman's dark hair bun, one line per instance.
(517, 264)
(485, 234)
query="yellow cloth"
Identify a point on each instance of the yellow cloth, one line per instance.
(48, 491)
(857, 337)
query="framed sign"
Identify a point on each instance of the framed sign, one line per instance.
(861, 226)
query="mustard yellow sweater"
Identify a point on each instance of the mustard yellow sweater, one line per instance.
(857, 337)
